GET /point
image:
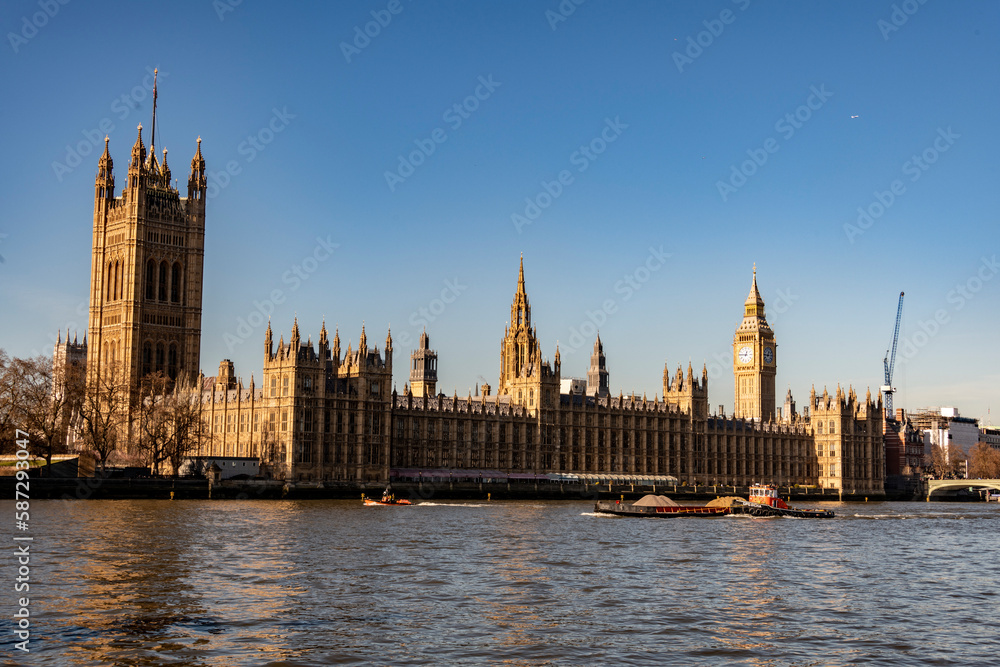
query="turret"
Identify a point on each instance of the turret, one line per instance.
(136, 170)
(165, 170)
(104, 184)
(197, 182)
(598, 380)
(423, 368)
(388, 350)
(268, 342)
(138, 158)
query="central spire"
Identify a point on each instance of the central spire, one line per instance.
(754, 305)
(520, 310)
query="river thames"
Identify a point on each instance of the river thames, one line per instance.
(521, 583)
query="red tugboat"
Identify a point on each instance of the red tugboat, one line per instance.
(764, 501)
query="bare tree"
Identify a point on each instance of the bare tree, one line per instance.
(45, 411)
(939, 462)
(103, 413)
(9, 403)
(170, 421)
(984, 462)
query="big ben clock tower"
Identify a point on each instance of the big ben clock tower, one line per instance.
(754, 360)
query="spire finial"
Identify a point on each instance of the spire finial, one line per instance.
(152, 131)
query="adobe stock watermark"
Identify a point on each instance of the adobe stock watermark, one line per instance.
(292, 279)
(714, 28)
(958, 296)
(93, 139)
(363, 36)
(900, 14)
(223, 7)
(583, 334)
(249, 148)
(563, 11)
(915, 167)
(787, 126)
(37, 21)
(424, 316)
(454, 116)
(581, 158)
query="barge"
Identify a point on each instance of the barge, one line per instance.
(763, 502)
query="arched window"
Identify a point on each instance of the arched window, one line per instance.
(819, 427)
(832, 427)
(175, 283)
(119, 279)
(147, 358)
(162, 292)
(172, 362)
(159, 357)
(150, 280)
(108, 277)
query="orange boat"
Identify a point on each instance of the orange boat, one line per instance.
(387, 499)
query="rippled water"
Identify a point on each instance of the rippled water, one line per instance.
(524, 583)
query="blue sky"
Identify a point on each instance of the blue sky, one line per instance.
(721, 133)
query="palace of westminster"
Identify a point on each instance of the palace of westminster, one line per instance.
(321, 413)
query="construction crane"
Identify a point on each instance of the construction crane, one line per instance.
(890, 362)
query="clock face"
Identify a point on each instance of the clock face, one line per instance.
(768, 355)
(746, 354)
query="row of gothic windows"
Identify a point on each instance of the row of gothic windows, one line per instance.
(158, 287)
(162, 281)
(160, 357)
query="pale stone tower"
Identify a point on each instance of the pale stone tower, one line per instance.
(597, 376)
(423, 369)
(146, 267)
(68, 359)
(523, 375)
(754, 361)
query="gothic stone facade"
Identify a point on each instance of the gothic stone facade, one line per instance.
(323, 416)
(146, 268)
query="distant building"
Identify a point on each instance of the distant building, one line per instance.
(69, 366)
(904, 451)
(990, 435)
(942, 427)
(572, 386)
(423, 369)
(597, 377)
